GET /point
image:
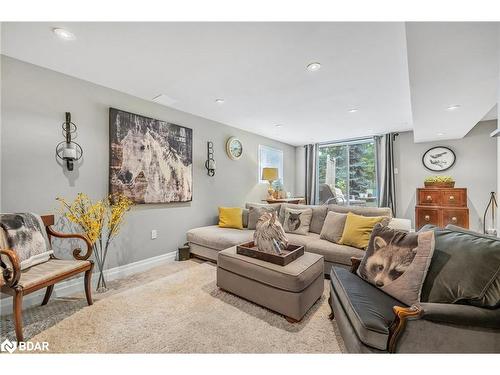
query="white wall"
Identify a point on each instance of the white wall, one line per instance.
(475, 169)
(34, 100)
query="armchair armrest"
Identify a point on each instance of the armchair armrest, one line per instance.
(11, 276)
(76, 252)
(461, 314)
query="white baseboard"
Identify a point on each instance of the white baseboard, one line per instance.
(75, 285)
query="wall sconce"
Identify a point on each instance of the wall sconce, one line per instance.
(68, 150)
(210, 163)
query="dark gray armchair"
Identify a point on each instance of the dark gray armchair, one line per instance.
(371, 321)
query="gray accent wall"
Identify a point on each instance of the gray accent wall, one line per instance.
(475, 169)
(34, 101)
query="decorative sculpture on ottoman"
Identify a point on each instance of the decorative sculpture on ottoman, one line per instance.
(269, 235)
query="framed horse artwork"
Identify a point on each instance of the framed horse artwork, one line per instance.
(151, 161)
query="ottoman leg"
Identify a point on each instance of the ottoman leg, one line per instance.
(291, 320)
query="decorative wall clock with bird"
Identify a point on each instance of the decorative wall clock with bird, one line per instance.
(438, 159)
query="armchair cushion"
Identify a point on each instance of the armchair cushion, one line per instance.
(368, 308)
(465, 269)
(49, 270)
(461, 314)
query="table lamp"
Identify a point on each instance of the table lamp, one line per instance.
(270, 174)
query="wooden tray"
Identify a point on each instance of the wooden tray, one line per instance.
(288, 255)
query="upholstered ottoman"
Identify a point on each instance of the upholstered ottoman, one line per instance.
(290, 290)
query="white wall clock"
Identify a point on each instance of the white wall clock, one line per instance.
(438, 159)
(234, 148)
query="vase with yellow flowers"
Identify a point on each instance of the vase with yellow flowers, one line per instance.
(100, 222)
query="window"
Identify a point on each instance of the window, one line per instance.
(270, 158)
(347, 173)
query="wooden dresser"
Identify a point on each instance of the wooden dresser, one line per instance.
(441, 206)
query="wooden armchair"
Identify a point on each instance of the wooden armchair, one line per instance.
(20, 283)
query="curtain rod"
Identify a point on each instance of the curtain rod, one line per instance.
(350, 140)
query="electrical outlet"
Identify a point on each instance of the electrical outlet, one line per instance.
(396, 171)
(154, 234)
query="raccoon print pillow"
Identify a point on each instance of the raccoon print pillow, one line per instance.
(397, 262)
(297, 221)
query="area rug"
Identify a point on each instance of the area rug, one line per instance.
(185, 312)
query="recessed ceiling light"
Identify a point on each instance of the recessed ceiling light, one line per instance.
(439, 134)
(219, 101)
(164, 99)
(353, 110)
(278, 125)
(453, 107)
(314, 66)
(64, 34)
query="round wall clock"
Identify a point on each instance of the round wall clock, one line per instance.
(234, 148)
(438, 159)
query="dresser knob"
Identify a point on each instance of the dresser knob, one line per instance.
(429, 198)
(427, 217)
(452, 197)
(454, 219)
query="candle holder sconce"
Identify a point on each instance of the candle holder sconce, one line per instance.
(68, 150)
(210, 163)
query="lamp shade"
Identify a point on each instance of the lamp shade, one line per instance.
(270, 174)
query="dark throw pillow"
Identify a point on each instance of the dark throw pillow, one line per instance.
(397, 262)
(465, 269)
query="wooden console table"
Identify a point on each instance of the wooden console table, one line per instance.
(297, 200)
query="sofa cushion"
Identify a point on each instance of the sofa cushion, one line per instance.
(465, 268)
(333, 226)
(231, 217)
(318, 215)
(217, 238)
(358, 228)
(333, 252)
(294, 277)
(297, 239)
(363, 211)
(297, 221)
(369, 309)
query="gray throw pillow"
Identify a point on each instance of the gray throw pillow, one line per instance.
(254, 213)
(465, 269)
(397, 262)
(244, 217)
(333, 227)
(297, 221)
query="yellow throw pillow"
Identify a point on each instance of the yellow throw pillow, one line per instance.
(231, 217)
(357, 230)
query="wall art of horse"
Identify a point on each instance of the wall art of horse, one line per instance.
(150, 160)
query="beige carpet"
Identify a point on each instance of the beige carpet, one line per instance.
(185, 312)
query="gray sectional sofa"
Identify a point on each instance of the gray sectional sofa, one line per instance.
(206, 242)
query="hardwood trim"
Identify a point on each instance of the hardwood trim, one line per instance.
(403, 314)
(76, 252)
(355, 262)
(11, 277)
(48, 220)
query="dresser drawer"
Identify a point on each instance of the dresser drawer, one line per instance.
(429, 197)
(459, 217)
(424, 216)
(454, 197)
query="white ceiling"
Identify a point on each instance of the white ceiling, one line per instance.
(259, 69)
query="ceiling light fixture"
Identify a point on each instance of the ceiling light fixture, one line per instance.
(439, 134)
(353, 110)
(314, 66)
(453, 107)
(219, 101)
(278, 125)
(63, 34)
